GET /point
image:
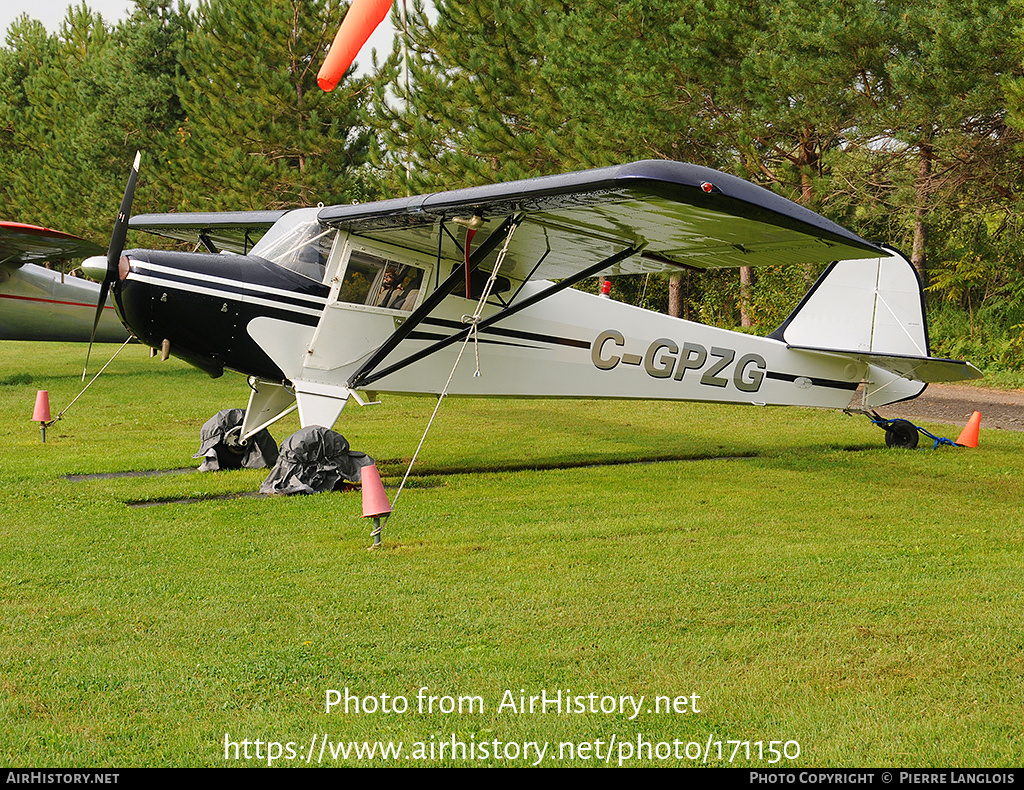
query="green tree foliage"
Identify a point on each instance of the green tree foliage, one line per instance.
(259, 132)
(901, 119)
(738, 84)
(743, 85)
(934, 148)
(75, 107)
(889, 117)
(473, 106)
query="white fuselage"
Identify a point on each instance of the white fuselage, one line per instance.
(572, 345)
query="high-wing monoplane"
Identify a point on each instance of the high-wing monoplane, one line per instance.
(37, 303)
(320, 306)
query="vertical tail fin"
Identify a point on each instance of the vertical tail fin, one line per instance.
(873, 306)
(873, 311)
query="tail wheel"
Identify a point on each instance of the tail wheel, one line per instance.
(901, 433)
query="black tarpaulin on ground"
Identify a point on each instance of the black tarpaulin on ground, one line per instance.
(313, 460)
(219, 447)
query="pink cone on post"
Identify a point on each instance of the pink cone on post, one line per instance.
(375, 500)
(42, 410)
(41, 413)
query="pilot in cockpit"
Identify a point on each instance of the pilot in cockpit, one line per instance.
(392, 289)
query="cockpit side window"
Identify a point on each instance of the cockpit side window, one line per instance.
(302, 247)
(377, 282)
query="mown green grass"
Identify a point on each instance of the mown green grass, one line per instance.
(807, 583)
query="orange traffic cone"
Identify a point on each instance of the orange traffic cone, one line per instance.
(375, 500)
(969, 435)
(41, 413)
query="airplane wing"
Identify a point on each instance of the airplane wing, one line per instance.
(653, 216)
(678, 215)
(21, 244)
(234, 231)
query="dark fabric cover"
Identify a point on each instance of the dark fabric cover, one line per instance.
(219, 448)
(312, 460)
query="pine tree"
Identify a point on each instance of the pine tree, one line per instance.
(56, 145)
(934, 127)
(75, 108)
(259, 132)
(499, 93)
(476, 108)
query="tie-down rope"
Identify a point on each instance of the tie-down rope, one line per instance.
(473, 320)
(80, 394)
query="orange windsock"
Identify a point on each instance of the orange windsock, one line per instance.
(362, 19)
(969, 435)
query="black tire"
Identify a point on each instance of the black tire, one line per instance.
(902, 434)
(229, 450)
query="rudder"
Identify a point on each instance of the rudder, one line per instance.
(873, 311)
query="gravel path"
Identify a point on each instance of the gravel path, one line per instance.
(954, 404)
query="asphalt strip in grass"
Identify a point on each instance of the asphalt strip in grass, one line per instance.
(205, 498)
(142, 473)
(420, 474)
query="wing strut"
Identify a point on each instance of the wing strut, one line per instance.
(433, 300)
(365, 376)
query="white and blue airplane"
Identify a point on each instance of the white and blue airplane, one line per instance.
(320, 306)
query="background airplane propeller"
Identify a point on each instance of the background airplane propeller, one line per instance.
(95, 266)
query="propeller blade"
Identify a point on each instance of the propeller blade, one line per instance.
(120, 231)
(104, 288)
(114, 250)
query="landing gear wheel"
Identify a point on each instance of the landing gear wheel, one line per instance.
(233, 441)
(221, 445)
(901, 433)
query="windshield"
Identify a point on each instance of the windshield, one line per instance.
(298, 242)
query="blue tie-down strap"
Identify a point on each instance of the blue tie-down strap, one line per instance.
(938, 439)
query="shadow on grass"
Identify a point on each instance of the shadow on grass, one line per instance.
(425, 477)
(397, 468)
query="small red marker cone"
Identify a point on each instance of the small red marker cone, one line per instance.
(375, 500)
(42, 410)
(969, 435)
(41, 414)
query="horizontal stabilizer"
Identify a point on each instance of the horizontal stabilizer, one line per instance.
(931, 370)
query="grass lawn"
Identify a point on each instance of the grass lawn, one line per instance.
(776, 578)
